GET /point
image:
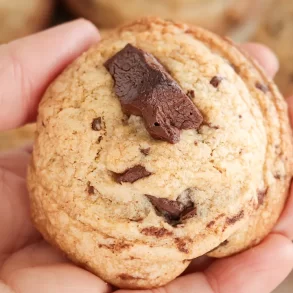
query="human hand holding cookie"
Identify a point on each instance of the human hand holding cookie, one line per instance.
(95, 142)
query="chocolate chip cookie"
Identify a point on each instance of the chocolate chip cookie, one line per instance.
(218, 15)
(276, 32)
(155, 147)
(19, 18)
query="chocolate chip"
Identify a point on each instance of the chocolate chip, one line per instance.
(240, 116)
(182, 244)
(174, 210)
(261, 87)
(146, 89)
(190, 94)
(133, 174)
(195, 143)
(97, 124)
(215, 81)
(90, 189)
(145, 151)
(261, 193)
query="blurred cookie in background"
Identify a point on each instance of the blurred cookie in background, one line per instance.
(221, 16)
(276, 31)
(19, 18)
(16, 138)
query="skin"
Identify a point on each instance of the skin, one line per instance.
(27, 263)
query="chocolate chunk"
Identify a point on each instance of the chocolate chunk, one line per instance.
(97, 124)
(157, 232)
(99, 139)
(261, 193)
(277, 176)
(188, 213)
(174, 210)
(127, 277)
(170, 208)
(261, 87)
(233, 220)
(145, 151)
(215, 81)
(146, 89)
(133, 174)
(210, 224)
(190, 94)
(90, 189)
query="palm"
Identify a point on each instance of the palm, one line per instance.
(29, 264)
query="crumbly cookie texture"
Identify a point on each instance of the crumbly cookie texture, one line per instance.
(19, 18)
(276, 32)
(233, 172)
(220, 16)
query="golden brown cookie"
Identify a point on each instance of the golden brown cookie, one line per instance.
(153, 148)
(276, 32)
(19, 18)
(221, 16)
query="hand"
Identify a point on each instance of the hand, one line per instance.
(27, 263)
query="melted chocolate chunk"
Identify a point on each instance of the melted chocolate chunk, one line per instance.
(145, 151)
(190, 94)
(90, 189)
(261, 87)
(236, 218)
(173, 210)
(261, 195)
(97, 124)
(146, 89)
(215, 81)
(133, 174)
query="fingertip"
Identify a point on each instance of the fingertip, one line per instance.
(264, 56)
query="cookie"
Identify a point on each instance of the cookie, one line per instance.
(153, 148)
(19, 18)
(276, 32)
(218, 15)
(16, 138)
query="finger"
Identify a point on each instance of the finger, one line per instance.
(265, 57)
(284, 225)
(28, 65)
(65, 278)
(37, 254)
(15, 161)
(290, 108)
(260, 269)
(16, 229)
